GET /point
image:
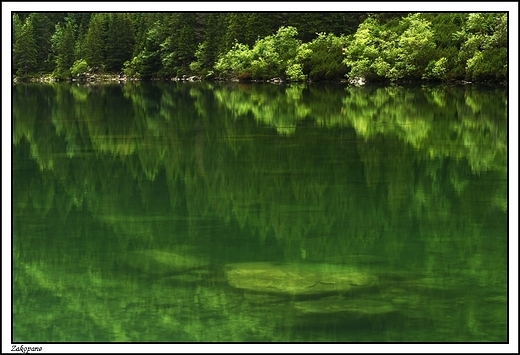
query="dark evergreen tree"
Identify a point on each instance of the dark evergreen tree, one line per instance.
(95, 42)
(120, 41)
(233, 32)
(148, 62)
(186, 42)
(257, 25)
(25, 50)
(326, 59)
(178, 49)
(309, 24)
(43, 28)
(213, 39)
(79, 50)
(80, 18)
(143, 22)
(17, 31)
(63, 43)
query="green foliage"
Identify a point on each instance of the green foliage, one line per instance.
(236, 61)
(25, 50)
(436, 69)
(120, 41)
(43, 28)
(95, 41)
(79, 67)
(207, 52)
(280, 55)
(311, 24)
(196, 65)
(266, 61)
(181, 34)
(325, 59)
(17, 31)
(484, 46)
(392, 53)
(414, 47)
(294, 72)
(130, 67)
(364, 49)
(79, 48)
(63, 43)
(292, 46)
(145, 64)
(233, 32)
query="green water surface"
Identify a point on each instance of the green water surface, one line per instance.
(202, 212)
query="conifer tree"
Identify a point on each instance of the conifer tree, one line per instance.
(43, 28)
(64, 48)
(25, 50)
(95, 42)
(17, 31)
(213, 39)
(120, 41)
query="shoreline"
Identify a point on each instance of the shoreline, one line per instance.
(116, 78)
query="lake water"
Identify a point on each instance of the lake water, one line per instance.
(223, 212)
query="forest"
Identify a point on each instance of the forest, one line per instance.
(310, 46)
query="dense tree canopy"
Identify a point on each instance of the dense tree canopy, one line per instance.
(25, 51)
(291, 46)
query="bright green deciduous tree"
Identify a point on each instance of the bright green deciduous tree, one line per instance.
(279, 55)
(236, 62)
(364, 50)
(409, 55)
(436, 69)
(484, 46)
(79, 67)
(414, 48)
(377, 51)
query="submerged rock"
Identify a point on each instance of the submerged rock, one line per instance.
(297, 279)
(158, 262)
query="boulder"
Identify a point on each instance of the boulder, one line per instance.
(357, 81)
(297, 279)
(276, 80)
